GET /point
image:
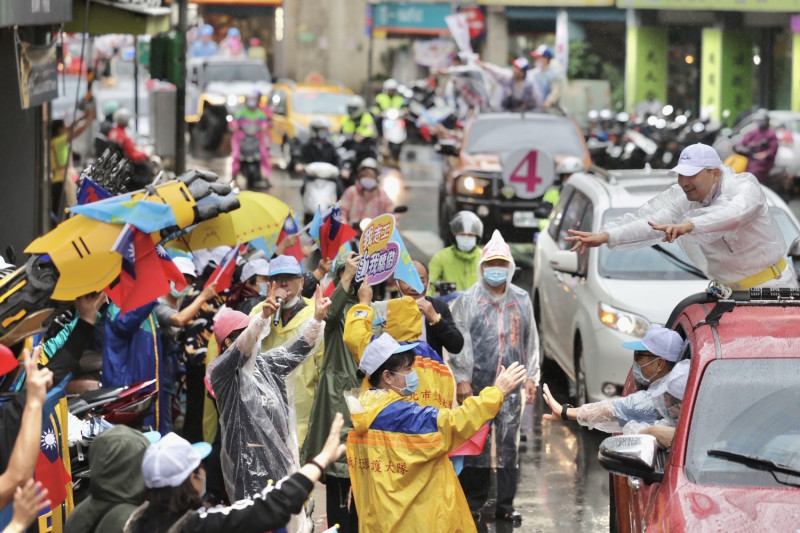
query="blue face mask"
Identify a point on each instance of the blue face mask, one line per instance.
(262, 289)
(638, 376)
(412, 382)
(179, 294)
(495, 276)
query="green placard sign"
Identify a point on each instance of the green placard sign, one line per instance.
(727, 69)
(646, 65)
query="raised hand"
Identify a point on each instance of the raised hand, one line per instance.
(29, 500)
(321, 304)
(673, 231)
(510, 378)
(365, 292)
(585, 239)
(270, 303)
(554, 406)
(209, 292)
(351, 265)
(333, 447)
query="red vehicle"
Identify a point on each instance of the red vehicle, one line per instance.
(734, 463)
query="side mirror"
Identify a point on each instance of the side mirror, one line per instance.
(632, 456)
(794, 249)
(564, 261)
(447, 147)
(543, 211)
(400, 208)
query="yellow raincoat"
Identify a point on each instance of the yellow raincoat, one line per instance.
(397, 455)
(306, 375)
(403, 322)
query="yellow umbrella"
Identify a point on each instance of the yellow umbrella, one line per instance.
(258, 215)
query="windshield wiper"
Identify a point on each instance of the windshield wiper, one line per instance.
(688, 267)
(760, 463)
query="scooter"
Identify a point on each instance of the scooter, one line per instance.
(393, 126)
(321, 187)
(250, 155)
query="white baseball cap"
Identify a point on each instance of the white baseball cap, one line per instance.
(255, 267)
(381, 349)
(185, 265)
(660, 341)
(695, 158)
(170, 461)
(677, 378)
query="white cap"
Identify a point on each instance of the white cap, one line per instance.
(255, 267)
(379, 350)
(168, 462)
(695, 158)
(659, 341)
(677, 378)
(185, 265)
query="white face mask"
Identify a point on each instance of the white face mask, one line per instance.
(291, 303)
(368, 183)
(466, 243)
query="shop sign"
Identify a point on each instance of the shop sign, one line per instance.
(34, 12)
(411, 18)
(37, 73)
(716, 5)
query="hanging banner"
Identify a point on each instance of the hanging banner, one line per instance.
(433, 53)
(459, 28)
(562, 39)
(37, 73)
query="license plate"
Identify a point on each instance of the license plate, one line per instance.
(525, 219)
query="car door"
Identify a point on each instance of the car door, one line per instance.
(564, 288)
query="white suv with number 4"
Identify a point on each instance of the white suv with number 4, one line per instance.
(587, 305)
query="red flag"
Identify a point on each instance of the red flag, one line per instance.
(333, 234)
(142, 278)
(329, 290)
(290, 227)
(474, 446)
(50, 469)
(171, 270)
(223, 274)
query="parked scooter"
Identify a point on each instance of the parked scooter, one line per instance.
(321, 187)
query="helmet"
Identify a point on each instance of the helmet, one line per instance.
(570, 165)
(110, 107)
(761, 114)
(466, 222)
(207, 30)
(356, 106)
(233, 32)
(319, 124)
(252, 99)
(390, 85)
(370, 163)
(521, 63)
(255, 41)
(121, 117)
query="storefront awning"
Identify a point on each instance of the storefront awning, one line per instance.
(106, 16)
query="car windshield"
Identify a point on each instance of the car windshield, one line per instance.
(644, 263)
(314, 103)
(236, 72)
(504, 135)
(747, 434)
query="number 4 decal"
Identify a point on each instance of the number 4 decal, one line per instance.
(525, 173)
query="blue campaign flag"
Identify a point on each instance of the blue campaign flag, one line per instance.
(405, 270)
(316, 224)
(145, 216)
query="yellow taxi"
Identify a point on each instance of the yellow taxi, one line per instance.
(295, 104)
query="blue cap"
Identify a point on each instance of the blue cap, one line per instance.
(285, 264)
(542, 51)
(207, 30)
(660, 341)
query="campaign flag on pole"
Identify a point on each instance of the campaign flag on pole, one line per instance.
(334, 234)
(145, 216)
(223, 274)
(50, 470)
(171, 270)
(405, 270)
(474, 446)
(316, 224)
(142, 278)
(291, 226)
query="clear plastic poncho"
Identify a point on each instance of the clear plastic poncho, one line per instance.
(612, 415)
(734, 234)
(498, 330)
(259, 442)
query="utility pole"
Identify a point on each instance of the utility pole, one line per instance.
(368, 28)
(180, 93)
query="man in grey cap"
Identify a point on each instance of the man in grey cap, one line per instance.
(719, 218)
(653, 358)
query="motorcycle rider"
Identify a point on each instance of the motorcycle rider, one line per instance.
(386, 100)
(365, 199)
(251, 113)
(760, 146)
(142, 174)
(359, 128)
(319, 149)
(204, 46)
(458, 263)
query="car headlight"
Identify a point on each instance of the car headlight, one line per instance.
(622, 321)
(472, 186)
(233, 100)
(215, 99)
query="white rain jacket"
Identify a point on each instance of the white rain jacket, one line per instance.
(734, 234)
(498, 330)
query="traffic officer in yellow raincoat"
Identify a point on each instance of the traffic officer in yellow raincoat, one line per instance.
(397, 452)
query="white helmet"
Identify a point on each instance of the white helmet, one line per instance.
(319, 124)
(356, 106)
(466, 222)
(121, 117)
(570, 165)
(390, 85)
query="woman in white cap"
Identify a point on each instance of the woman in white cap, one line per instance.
(719, 218)
(670, 405)
(397, 452)
(653, 360)
(175, 479)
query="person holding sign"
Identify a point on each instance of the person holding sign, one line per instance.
(719, 218)
(496, 319)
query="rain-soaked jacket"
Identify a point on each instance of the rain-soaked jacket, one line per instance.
(453, 265)
(397, 455)
(258, 443)
(498, 331)
(612, 415)
(117, 486)
(734, 234)
(302, 383)
(436, 384)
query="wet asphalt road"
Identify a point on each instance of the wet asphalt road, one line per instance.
(562, 487)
